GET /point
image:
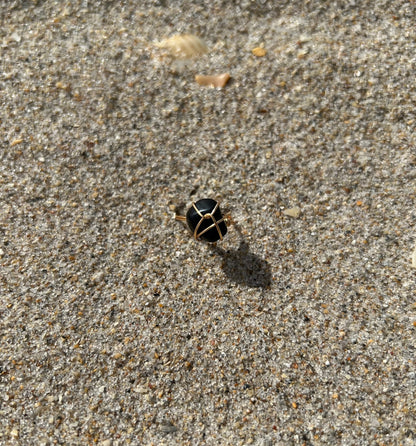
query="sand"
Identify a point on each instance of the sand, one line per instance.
(117, 327)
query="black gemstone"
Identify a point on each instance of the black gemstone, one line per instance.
(206, 206)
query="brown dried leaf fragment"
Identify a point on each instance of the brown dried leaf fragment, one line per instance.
(218, 81)
(183, 46)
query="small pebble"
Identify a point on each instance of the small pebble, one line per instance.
(292, 212)
(14, 433)
(168, 428)
(259, 52)
(414, 258)
(16, 141)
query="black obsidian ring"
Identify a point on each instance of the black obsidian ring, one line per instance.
(205, 220)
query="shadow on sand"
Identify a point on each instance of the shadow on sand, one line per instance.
(243, 267)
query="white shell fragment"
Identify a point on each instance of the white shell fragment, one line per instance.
(292, 212)
(184, 46)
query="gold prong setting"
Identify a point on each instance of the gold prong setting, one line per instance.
(197, 219)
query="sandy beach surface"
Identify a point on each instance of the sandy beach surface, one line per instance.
(116, 326)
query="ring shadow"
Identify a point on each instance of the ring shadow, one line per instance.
(243, 267)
